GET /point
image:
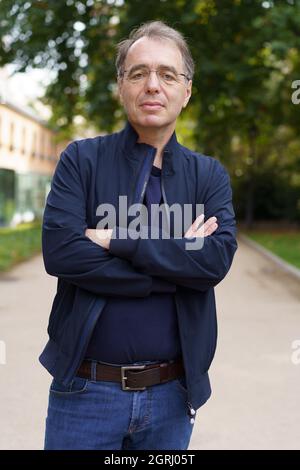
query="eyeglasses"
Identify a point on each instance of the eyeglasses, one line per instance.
(164, 74)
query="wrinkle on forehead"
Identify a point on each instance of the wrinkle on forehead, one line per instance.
(140, 52)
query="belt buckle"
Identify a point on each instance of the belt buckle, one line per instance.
(124, 378)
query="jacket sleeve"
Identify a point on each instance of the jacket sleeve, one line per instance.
(169, 258)
(70, 255)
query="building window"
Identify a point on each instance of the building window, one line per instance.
(23, 143)
(42, 146)
(11, 137)
(33, 150)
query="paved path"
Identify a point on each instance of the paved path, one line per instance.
(26, 295)
(255, 401)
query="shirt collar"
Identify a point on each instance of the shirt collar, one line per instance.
(133, 149)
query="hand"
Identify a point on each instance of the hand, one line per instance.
(208, 228)
(100, 236)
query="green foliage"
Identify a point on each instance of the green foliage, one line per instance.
(286, 245)
(247, 54)
(18, 244)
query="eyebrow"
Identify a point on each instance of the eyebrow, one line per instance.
(138, 66)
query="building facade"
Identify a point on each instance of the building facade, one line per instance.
(28, 157)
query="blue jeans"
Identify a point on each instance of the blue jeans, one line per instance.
(92, 414)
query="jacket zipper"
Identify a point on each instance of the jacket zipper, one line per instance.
(165, 200)
(135, 179)
(147, 176)
(190, 406)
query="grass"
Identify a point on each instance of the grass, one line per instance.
(286, 245)
(18, 244)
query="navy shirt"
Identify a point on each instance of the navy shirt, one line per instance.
(137, 329)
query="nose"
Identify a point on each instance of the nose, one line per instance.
(152, 82)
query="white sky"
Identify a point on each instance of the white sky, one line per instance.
(25, 88)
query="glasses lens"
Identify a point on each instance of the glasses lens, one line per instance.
(165, 75)
(138, 75)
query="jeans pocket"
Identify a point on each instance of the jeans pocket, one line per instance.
(78, 385)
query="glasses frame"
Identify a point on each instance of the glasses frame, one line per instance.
(122, 74)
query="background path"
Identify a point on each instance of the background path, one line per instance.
(255, 401)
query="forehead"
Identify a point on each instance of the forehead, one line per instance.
(154, 52)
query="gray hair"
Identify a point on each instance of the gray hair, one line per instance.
(157, 30)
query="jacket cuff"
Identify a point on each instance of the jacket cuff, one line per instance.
(122, 243)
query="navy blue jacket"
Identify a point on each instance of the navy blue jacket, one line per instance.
(98, 170)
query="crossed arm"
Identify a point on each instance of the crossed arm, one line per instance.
(198, 268)
(75, 253)
(102, 237)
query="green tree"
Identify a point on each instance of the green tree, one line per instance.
(246, 54)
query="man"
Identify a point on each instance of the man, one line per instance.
(133, 323)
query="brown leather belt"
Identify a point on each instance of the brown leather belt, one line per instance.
(135, 377)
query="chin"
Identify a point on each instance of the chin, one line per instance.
(152, 120)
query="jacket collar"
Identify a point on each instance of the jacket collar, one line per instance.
(134, 150)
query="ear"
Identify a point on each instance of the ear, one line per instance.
(119, 90)
(188, 93)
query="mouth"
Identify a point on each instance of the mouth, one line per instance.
(152, 106)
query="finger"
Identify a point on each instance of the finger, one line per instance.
(189, 233)
(194, 227)
(208, 228)
(211, 229)
(211, 221)
(207, 224)
(101, 233)
(197, 222)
